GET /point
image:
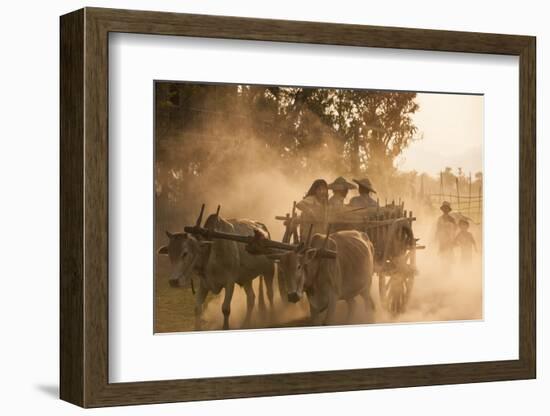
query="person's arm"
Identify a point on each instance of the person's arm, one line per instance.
(473, 241)
(437, 229)
(306, 206)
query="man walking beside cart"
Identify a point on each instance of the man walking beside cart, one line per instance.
(445, 232)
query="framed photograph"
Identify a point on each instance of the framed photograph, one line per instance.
(263, 207)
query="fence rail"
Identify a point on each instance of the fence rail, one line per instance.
(466, 203)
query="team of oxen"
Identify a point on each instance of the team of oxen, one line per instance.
(327, 268)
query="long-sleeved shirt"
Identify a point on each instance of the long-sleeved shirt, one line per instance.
(336, 202)
(313, 212)
(363, 201)
(465, 241)
(445, 232)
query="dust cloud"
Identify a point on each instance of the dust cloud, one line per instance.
(443, 291)
(247, 184)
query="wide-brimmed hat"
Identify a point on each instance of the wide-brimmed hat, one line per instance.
(365, 183)
(445, 206)
(340, 184)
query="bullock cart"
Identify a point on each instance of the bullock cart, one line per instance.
(389, 227)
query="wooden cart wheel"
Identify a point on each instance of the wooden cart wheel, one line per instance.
(396, 274)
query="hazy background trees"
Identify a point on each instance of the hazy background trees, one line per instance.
(357, 132)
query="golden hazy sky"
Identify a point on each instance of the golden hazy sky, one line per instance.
(452, 126)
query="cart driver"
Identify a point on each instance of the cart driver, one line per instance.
(364, 200)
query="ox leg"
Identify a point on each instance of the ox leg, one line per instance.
(331, 310)
(281, 284)
(314, 316)
(200, 297)
(250, 300)
(226, 306)
(315, 312)
(261, 297)
(351, 309)
(269, 290)
(369, 303)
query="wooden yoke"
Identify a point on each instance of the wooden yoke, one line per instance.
(257, 244)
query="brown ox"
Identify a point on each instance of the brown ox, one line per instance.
(327, 280)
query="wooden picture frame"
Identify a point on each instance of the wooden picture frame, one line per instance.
(84, 207)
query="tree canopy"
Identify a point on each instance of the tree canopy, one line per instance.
(356, 131)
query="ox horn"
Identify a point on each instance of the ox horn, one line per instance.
(199, 219)
(218, 211)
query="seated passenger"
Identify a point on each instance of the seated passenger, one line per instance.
(339, 188)
(364, 200)
(314, 209)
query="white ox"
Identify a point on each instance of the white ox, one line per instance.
(219, 264)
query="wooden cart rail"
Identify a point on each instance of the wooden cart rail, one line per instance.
(368, 223)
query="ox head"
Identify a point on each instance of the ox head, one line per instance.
(292, 273)
(186, 253)
(302, 266)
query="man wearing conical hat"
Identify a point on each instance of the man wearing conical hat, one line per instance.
(364, 200)
(445, 231)
(340, 188)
